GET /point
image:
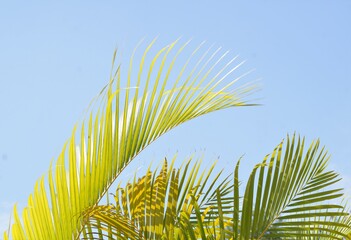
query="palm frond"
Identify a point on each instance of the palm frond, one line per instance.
(160, 206)
(130, 119)
(291, 197)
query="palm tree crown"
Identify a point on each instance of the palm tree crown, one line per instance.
(283, 198)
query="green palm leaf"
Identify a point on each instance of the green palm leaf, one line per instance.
(290, 197)
(131, 119)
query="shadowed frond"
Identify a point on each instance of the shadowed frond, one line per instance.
(105, 222)
(131, 118)
(162, 206)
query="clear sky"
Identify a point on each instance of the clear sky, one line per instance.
(55, 57)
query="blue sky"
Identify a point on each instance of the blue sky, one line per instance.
(55, 57)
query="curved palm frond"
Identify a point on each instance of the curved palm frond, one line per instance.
(131, 119)
(293, 196)
(160, 206)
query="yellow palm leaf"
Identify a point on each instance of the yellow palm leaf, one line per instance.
(130, 119)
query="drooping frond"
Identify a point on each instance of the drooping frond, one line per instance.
(293, 196)
(132, 117)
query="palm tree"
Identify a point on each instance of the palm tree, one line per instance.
(176, 203)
